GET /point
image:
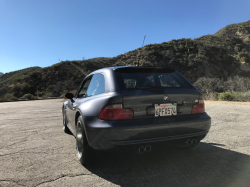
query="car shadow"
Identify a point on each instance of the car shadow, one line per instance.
(204, 165)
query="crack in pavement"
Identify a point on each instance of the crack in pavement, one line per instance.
(6, 180)
(28, 130)
(23, 152)
(46, 153)
(18, 142)
(12, 153)
(62, 176)
(24, 139)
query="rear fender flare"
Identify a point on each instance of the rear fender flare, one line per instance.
(64, 106)
(79, 113)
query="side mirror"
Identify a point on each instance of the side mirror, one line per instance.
(69, 96)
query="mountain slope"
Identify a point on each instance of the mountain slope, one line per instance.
(239, 30)
(219, 56)
(8, 78)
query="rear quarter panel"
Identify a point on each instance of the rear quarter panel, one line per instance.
(93, 105)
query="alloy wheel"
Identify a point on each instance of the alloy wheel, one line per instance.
(79, 140)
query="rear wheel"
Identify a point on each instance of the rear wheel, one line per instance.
(65, 122)
(84, 152)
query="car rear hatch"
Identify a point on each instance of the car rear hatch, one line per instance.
(154, 92)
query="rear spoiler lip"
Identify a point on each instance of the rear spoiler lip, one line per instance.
(141, 68)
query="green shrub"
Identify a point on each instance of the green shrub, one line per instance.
(238, 47)
(47, 94)
(243, 57)
(28, 96)
(234, 96)
(40, 94)
(227, 96)
(17, 79)
(192, 56)
(9, 96)
(25, 87)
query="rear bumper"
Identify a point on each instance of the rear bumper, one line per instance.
(103, 135)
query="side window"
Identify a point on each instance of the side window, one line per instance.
(84, 88)
(97, 85)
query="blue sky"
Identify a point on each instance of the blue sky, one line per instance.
(44, 32)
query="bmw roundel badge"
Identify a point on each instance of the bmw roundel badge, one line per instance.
(165, 98)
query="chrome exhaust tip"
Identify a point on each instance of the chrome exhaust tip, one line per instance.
(192, 142)
(148, 148)
(189, 142)
(143, 149)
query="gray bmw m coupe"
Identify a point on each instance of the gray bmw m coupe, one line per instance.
(134, 105)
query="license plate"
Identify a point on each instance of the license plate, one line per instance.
(168, 109)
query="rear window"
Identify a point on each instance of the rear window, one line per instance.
(133, 78)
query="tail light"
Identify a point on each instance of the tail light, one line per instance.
(116, 112)
(199, 108)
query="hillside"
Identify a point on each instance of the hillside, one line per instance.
(10, 77)
(221, 56)
(1, 73)
(240, 31)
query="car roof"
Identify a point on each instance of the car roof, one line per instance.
(128, 67)
(115, 67)
(119, 67)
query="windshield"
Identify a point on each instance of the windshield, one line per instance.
(143, 80)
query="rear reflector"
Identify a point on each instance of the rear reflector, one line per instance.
(199, 108)
(116, 112)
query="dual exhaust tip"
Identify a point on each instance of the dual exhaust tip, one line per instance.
(143, 149)
(192, 142)
(147, 148)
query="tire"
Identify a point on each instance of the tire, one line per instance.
(65, 123)
(85, 153)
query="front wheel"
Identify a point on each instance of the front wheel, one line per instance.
(84, 152)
